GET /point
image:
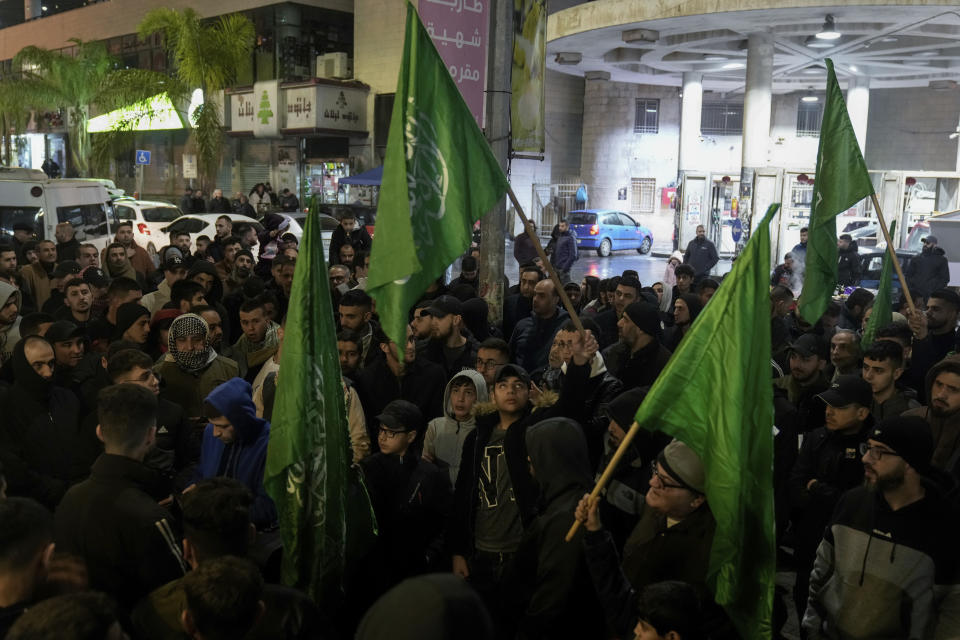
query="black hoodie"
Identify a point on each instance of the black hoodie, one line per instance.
(42, 448)
(848, 266)
(928, 272)
(560, 598)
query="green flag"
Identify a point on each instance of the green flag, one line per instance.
(882, 313)
(716, 396)
(841, 181)
(439, 177)
(308, 472)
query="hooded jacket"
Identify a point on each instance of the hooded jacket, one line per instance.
(42, 447)
(565, 251)
(9, 334)
(881, 573)
(928, 272)
(244, 458)
(702, 255)
(560, 599)
(446, 435)
(848, 266)
(570, 402)
(946, 430)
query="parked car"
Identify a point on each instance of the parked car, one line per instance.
(204, 224)
(327, 225)
(149, 219)
(865, 231)
(606, 230)
(871, 264)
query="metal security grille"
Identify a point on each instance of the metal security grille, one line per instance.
(643, 195)
(648, 116)
(721, 118)
(809, 118)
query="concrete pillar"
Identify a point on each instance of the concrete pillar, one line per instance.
(690, 113)
(756, 119)
(858, 105)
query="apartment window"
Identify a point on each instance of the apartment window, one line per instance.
(721, 118)
(648, 116)
(809, 118)
(644, 195)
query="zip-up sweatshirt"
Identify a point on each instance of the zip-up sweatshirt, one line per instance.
(881, 573)
(445, 435)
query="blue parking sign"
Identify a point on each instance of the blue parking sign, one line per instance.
(736, 229)
(142, 157)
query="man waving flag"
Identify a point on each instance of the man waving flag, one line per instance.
(439, 177)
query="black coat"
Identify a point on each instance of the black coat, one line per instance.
(433, 351)
(639, 369)
(702, 256)
(848, 265)
(532, 338)
(928, 272)
(112, 521)
(359, 239)
(515, 308)
(219, 205)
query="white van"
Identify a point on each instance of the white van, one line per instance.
(28, 195)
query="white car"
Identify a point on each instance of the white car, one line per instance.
(204, 224)
(149, 219)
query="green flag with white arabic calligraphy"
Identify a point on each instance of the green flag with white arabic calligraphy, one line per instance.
(320, 498)
(439, 178)
(841, 181)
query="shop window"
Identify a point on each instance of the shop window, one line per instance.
(721, 118)
(647, 118)
(809, 118)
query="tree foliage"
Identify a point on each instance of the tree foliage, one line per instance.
(205, 55)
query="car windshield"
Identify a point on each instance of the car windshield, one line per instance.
(160, 214)
(853, 226)
(583, 218)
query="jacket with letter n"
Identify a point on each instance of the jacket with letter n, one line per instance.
(881, 573)
(112, 521)
(570, 403)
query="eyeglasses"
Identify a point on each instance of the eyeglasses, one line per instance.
(875, 453)
(488, 364)
(389, 433)
(663, 480)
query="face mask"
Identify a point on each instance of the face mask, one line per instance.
(189, 324)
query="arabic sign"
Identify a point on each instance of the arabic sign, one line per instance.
(266, 100)
(341, 108)
(242, 112)
(529, 67)
(459, 30)
(301, 108)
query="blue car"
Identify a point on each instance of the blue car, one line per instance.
(606, 230)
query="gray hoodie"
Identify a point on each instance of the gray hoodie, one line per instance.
(444, 439)
(9, 334)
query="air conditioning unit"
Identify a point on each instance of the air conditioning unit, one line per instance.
(334, 65)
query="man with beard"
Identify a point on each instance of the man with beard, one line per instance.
(887, 564)
(223, 234)
(469, 274)
(119, 266)
(450, 344)
(533, 336)
(638, 358)
(241, 269)
(215, 324)
(259, 341)
(139, 259)
(37, 276)
(808, 358)
(356, 314)
(181, 241)
(943, 414)
(848, 261)
(78, 302)
(928, 271)
(10, 303)
(701, 254)
(191, 368)
(686, 308)
(41, 447)
(120, 292)
(8, 264)
(227, 248)
(935, 331)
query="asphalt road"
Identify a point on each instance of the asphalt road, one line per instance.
(649, 268)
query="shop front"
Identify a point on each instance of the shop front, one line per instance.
(302, 136)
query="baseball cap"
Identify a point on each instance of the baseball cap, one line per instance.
(909, 437)
(95, 276)
(810, 344)
(63, 330)
(512, 371)
(930, 240)
(683, 463)
(444, 306)
(847, 390)
(66, 268)
(401, 415)
(174, 262)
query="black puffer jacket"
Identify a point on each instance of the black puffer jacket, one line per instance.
(848, 265)
(928, 272)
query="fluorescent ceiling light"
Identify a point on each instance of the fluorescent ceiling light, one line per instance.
(734, 65)
(715, 58)
(813, 70)
(809, 98)
(854, 68)
(829, 30)
(928, 53)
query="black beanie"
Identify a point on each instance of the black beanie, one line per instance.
(127, 314)
(646, 316)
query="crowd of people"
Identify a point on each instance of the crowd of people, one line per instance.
(261, 199)
(135, 419)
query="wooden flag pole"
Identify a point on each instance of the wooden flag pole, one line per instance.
(893, 253)
(608, 472)
(546, 263)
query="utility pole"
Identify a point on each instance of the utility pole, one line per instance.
(493, 226)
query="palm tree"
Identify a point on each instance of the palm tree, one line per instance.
(52, 80)
(206, 56)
